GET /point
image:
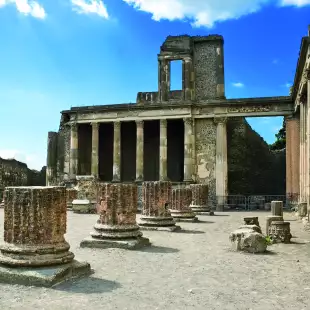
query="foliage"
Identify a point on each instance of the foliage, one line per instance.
(280, 142)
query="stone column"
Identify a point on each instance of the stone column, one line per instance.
(95, 150)
(292, 157)
(156, 202)
(277, 208)
(116, 226)
(199, 203)
(117, 152)
(301, 167)
(221, 169)
(34, 227)
(163, 150)
(188, 149)
(187, 72)
(163, 79)
(180, 205)
(74, 151)
(308, 137)
(139, 151)
(51, 165)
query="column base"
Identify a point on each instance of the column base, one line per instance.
(201, 210)
(44, 276)
(158, 223)
(128, 244)
(183, 215)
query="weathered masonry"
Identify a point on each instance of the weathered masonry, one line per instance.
(179, 136)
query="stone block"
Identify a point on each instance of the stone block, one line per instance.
(279, 231)
(116, 226)
(302, 210)
(180, 205)
(248, 240)
(82, 206)
(156, 200)
(34, 226)
(251, 220)
(270, 219)
(251, 227)
(199, 204)
(277, 208)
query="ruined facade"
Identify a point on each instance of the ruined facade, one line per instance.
(181, 136)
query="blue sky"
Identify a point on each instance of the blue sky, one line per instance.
(63, 53)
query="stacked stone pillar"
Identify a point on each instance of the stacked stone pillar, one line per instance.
(34, 227)
(95, 150)
(188, 149)
(74, 151)
(276, 214)
(139, 151)
(163, 150)
(117, 152)
(163, 79)
(199, 204)
(187, 78)
(156, 201)
(221, 163)
(116, 226)
(51, 165)
(180, 205)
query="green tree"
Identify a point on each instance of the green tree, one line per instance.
(280, 142)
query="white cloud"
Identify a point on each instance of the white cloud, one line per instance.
(33, 161)
(238, 84)
(287, 85)
(27, 7)
(204, 12)
(90, 7)
(275, 61)
(298, 3)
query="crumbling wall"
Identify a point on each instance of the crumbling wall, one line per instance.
(252, 167)
(15, 173)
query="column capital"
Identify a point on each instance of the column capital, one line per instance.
(302, 98)
(74, 126)
(139, 122)
(117, 124)
(220, 120)
(188, 121)
(95, 124)
(291, 118)
(163, 122)
(306, 74)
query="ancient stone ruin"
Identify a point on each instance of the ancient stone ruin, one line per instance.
(35, 222)
(116, 226)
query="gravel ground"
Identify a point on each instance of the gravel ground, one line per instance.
(191, 270)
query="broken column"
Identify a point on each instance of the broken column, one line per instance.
(116, 226)
(277, 208)
(71, 194)
(270, 219)
(156, 200)
(180, 205)
(34, 227)
(199, 203)
(279, 231)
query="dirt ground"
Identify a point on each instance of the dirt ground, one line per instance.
(193, 269)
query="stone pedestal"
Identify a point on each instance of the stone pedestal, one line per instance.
(71, 194)
(116, 226)
(251, 220)
(270, 219)
(199, 203)
(35, 251)
(82, 206)
(279, 231)
(87, 190)
(180, 205)
(277, 208)
(156, 200)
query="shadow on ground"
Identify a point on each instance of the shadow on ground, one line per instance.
(88, 285)
(158, 249)
(205, 222)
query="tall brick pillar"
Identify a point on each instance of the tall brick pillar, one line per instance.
(188, 149)
(117, 152)
(163, 150)
(34, 227)
(51, 165)
(156, 202)
(139, 151)
(116, 226)
(221, 163)
(95, 150)
(163, 79)
(74, 151)
(292, 157)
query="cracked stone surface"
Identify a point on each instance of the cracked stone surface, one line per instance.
(185, 270)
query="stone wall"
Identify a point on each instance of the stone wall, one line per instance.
(252, 167)
(15, 173)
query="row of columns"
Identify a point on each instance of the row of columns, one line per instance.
(188, 150)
